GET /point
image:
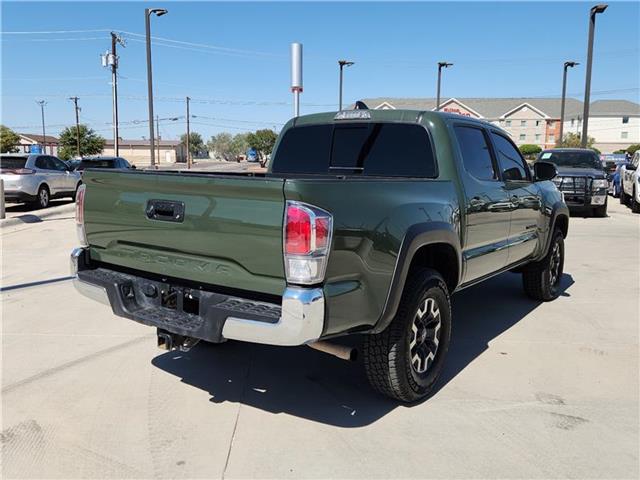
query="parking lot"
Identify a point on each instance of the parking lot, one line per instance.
(530, 390)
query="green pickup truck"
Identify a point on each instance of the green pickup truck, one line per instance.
(365, 222)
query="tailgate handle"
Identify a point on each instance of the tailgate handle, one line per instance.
(165, 210)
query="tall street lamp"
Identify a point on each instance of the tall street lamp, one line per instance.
(342, 64)
(147, 14)
(587, 84)
(441, 65)
(564, 94)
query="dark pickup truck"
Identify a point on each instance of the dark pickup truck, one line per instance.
(581, 178)
(365, 223)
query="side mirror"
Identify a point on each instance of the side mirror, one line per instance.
(544, 171)
(133, 167)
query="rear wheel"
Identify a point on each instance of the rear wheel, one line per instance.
(600, 211)
(541, 280)
(405, 360)
(43, 197)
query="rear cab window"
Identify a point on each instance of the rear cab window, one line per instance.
(106, 163)
(357, 148)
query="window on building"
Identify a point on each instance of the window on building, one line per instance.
(552, 139)
(523, 136)
(507, 123)
(523, 123)
(624, 135)
(552, 124)
(537, 123)
(625, 119)
(475, 153)
(511, 162)
(537, 137)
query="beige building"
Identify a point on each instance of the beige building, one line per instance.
(613, 123)
(137, 151)
(30, 140)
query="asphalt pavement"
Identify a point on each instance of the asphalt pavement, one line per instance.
(531, 390)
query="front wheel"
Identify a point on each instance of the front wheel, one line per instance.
(405, 360)
(600, 211)
(541, 280)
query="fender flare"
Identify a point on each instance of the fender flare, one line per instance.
(417, 236)
(559, 209)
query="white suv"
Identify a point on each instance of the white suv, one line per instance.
(630, 183)
(36, 178)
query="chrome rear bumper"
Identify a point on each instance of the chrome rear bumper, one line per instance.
(301, 317)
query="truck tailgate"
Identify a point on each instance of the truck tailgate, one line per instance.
(229, 235)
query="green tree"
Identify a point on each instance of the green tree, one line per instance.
(620, 151)
(631, 149)
(529, 150)
(90, 142)
(572, 140)
(228, 146)
(196, 144)
(8, 140)
(262, 141)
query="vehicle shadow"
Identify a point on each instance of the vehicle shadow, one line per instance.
(309, 384)
(30, 207)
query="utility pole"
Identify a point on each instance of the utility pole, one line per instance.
(188, 137)
(564, 95)
(441, 65)
(42, 103)
(587, 83)
(75, 103)
(110, 59)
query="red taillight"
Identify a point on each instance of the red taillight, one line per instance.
(307, 239)
(298, 231)
(19, 171)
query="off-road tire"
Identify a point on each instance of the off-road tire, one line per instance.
(43, 197)
(538, 278)
(635, 206)
(387, 355)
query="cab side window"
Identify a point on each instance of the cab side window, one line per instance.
(511, 162)
(476, 155)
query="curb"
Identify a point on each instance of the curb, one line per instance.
(27, 218)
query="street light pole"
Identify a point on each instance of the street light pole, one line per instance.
(342, 64)
(564, 95)
(42, 103)
(147, 21)
(115, 39)
(587, 84)
(441, 65)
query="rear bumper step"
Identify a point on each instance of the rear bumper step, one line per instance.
(202, 314)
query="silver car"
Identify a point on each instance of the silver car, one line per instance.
(37, 178)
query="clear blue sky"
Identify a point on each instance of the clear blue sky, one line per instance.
(508, 49)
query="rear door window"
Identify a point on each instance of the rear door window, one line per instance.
(376, 149)
(42, 162)
(476, 155)
(511, 162)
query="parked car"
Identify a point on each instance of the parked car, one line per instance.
(365, 223)
(630, 183)
(37, 178)
(73, 163)
(614, 180)
(581, 178)
(103, 162)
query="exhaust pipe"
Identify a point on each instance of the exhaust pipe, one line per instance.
(341, 351)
